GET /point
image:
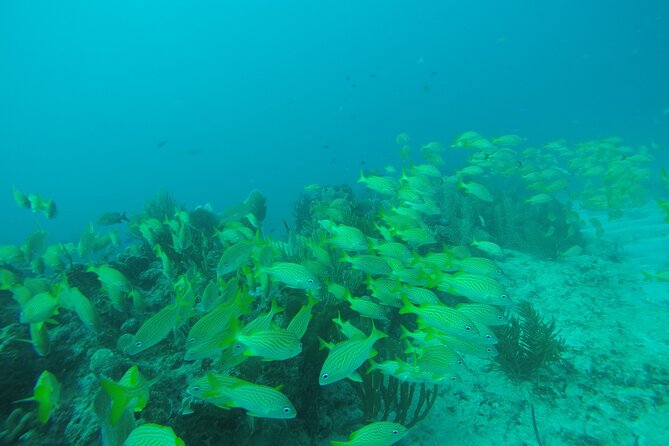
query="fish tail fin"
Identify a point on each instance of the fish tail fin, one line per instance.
(345, 258)
(362, 177)
(647, 276)
(377, 334)
(408, 306)
(405, 332)
(311, 299)
(234, 330)
(275, 308)
(322, 343)
(119, 396)
(124, 217)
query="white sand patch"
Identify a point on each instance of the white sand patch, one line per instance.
(616, 384)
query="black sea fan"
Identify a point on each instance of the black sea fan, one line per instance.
(527, 344)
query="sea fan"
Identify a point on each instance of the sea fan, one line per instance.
(528, 344)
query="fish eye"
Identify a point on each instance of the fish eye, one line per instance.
(325, 376)
(498, 271)
(196, 388)
(488, 336)
(299, 346)
(138, 344)
(460, 362)
(503, 296)
(453, 378)
(191, 340)
(286, 409)
(395, 432)
(489, 350)
(225, 265)
(238, 346)
(468, 328)
(311, 280)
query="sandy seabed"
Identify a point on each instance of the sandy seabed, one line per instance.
(614, 389)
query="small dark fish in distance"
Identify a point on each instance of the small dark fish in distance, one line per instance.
(112, 218)
(161, 143)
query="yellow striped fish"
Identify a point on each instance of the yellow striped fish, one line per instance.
(483, 314)
(369, 264)
(217, 320)
(204, 385)
(300, 322)
(210, 348)
(379, 433)
(345, 358)
(47, 395)
(367, 308)
(263, 321)
(234, 257)
(39, 338)
(272, 344)
(382, 185)
(155, 329)
(39, 308)
(150, 434)
(442, 318)
(293, 275)
(469, 347)
(475, 287)
(131, 392)
(260, 401)
(344, 237)
(394, 250)
(418, 295)
(348, 329)
(478, 265)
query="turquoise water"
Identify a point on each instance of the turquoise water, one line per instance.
(114, 106)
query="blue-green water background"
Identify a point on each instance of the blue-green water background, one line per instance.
(277, 95)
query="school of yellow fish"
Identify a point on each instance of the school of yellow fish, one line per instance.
(227, 298)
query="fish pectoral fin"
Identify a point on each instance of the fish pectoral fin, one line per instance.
(226, 405)
(355, 376)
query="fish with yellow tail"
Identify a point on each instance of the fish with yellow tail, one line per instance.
(236, 256)
(271, 344)
(382, 185)
(490, 248)
(46, 394)
(228, 392)
(441, 317)
(659, 276)
(379, 433)
(300, 322)
(130, 392)
(292, 275)
(476, 287)
(150, 434)
(345, 237)
(40, 307)
(347, 356)
(154, 330)
(35, 203)
(477, 190)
